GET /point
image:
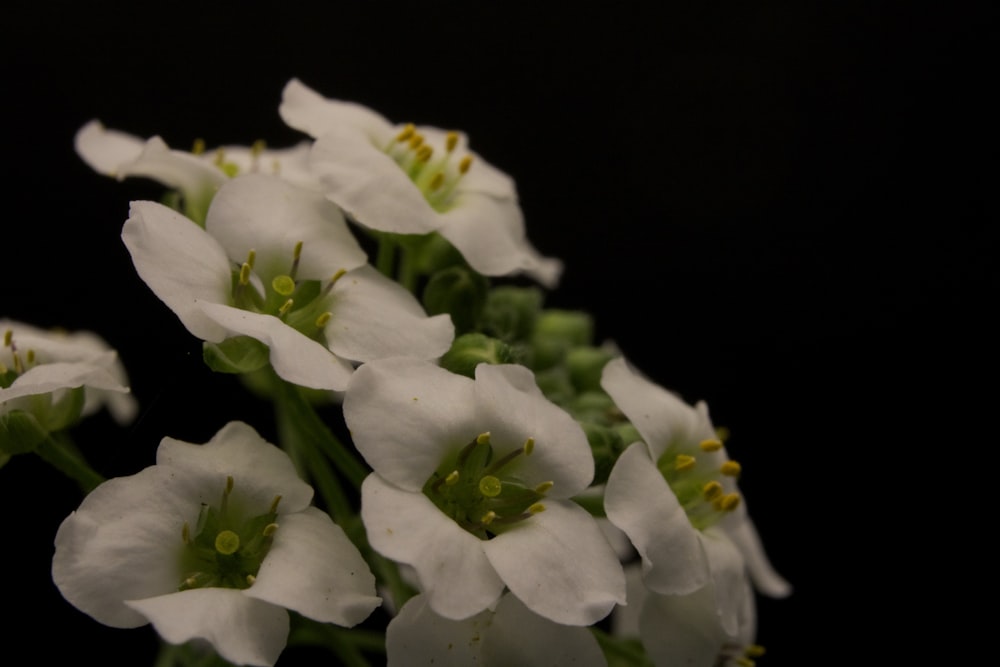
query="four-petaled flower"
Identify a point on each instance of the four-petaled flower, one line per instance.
(471, 486)
(214, 542)
(415, 180)
(675, 496)
(278, 264)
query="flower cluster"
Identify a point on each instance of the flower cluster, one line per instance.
(502, 489)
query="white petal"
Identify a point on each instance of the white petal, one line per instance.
(243, 630)
(418, 636)
(260, 470)
(560, 565)
(369, 185)
(312, 568)
(408, 416)
(728, 577)
(681, 629)
(123, 542)
(296, 358)
(375, 317)
(659, 416)
(60, 375)
(180, 262)
(514, 409)
(407, 527)
(270, 216)
(520, 637)
(195, 177)
(743, 533)
(308, 111)
(291, 164)
(104, 150)
(638, 500)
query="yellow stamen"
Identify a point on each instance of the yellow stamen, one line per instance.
(536, 508)
(710, 445)
(245, 274)
(274, 504)
(251, 579)
(483, 438)
(8, 336)
(451, 140)
(436, 182)
(684, 462)
(30, 356)
(424, 153)
(416, 140)
(529, 446)
(729, 502)
(452, 478)
(464, 165)
(488, 518)
(754, 651)
(323, 319)
(406, 132)
(730, 469)
(199, 146)
(544, 487)
(285, 307)
(711, 490)
(270, 529)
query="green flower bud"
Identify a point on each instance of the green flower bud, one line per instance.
(585, 366)
(510, 312)
(459, 292)
(558, 331)
(470, 350)
(239, 354)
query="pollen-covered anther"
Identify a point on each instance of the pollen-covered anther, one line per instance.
(251, 580)
(450, 141)
(488, 518)
(8, 337)
(730, 469)
(285, 307)
(416, 140)
(483, 438)
(274, 504)
(754, 651)
(198, 147)
(245, 273)
(333, 280)
(452, 478)
(544, 487)
(29, 356)
(465, 164)
(710, 445)
(711, 490)
(727, 503)
(536, 508)
(436, 182)
(296, 256)
(227, 542)
(323, 319)
(408, 130)
(270, 529)
(684, 462)
(424, 153)
(529, 446)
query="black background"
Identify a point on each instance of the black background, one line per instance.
(779, 207)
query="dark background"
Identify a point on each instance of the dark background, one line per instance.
(777, 207)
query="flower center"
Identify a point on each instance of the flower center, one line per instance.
(699, 476)
(479, 495)
(226, 550)
(301, 304)
(435, 170)
(732, 655)
(17, 364)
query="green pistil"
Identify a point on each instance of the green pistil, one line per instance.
(475, 492)
(226, 551)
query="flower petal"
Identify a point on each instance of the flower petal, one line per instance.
(296, 358)
(270, 216)
(307, 111)
(418, 636)
(514, 408)
(453, 570)
(375, 317)
(638, 500)
(243, 630)
(123, 522)
(180, 262)
(260, 470)
(560, 565)
(433, 417)
(104, 150)
(743, 533)
(46, 378)
(312, 568)
(518, 636)
(728, 577)
(681, 629)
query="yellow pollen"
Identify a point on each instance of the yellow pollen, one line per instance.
(729, 502)
(406, 132)
(464, 165)
(186, 533)
(452, 478)
(437, 181)
(227, 542)
(488, 518)
(483, 438)
(258, 147)
(754, 651)
(274, 504)
(283, 285)
(251, 579)
(544, 487)
(451, 140)
(536, 508)
(730, 469)
(297, 252)
(490, 486)
(270, 529)
(190, 582)
(416, 140)
(251, 257)
(424, 153)
(529, 446)
(8, 336)
(322, 320)
(722, 433)
(684, 462)
(711, 490)
(285, 307)
(245, 274)
(710, 445)
(335, 277)
(745, 662)
(199, 146)
(30, 356)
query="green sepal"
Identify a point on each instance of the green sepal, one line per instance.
(65, 412)
(510, 312)
(432, 253)
(471, 349)
(459, 292)
(20, 433)
(239, 354)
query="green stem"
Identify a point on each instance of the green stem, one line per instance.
(61, 456)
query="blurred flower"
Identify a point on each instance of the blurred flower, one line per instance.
(510, 634)
(214, 542)
(415, 180)
(277, 263)
(471, 486)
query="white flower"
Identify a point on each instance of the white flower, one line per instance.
(509, 635)
(675, 496)
(214, 542)
(463, 470)
(415, 180)
(277, 263)
(38, 368)
(685, 629)
(197, 175)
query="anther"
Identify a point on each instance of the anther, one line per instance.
(227, 542)
(730, 469)
(451, 140)
(684, 462)
(258, 147)
(322, 320)
(285, 307)
(424, 153)
(711, 490)
(186, 533)
(490, 486)
(225, 495)
(30, 356)
(8, 337)
(251, 580)
(754, 651)
(544, 487)
(710, 445)
(436, 182)
(245, 273)
(464, 165)
(452, 478)
(333, 280)
(251, 257)
(488, 518)
(199, 146)
(274, 504)
(270, 529)
(406, 132)
(296, 255)
(529, 446)
(483, 438)
(416, 140)
(536, 508)
(729, 502)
